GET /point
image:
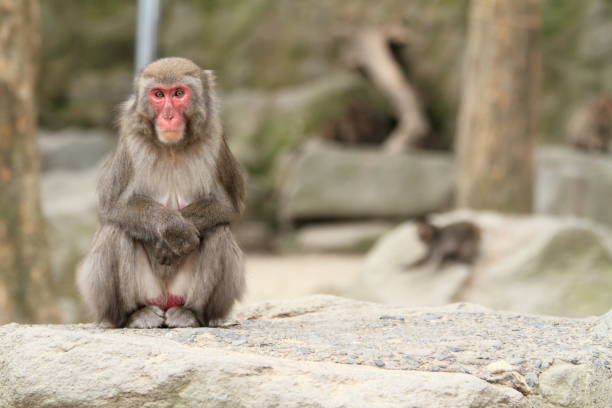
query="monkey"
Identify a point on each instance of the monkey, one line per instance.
(358, 124)
(590, 126)
(163, 254)
(458, 241)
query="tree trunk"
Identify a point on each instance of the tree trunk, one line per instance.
(24, 266)
(496, 134)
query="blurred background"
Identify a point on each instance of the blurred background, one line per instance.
(352, 119)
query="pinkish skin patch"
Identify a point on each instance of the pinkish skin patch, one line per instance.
(181, 204)
(166, 302)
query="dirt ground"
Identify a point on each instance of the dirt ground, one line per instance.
(275, 277)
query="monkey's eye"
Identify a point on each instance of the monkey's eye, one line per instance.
(179, 92)
(158, 94)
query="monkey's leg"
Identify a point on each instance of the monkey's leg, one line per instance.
(147, 317)
(177, 289)
(147, 291)
(468, 252)
(101, 276)
(218, 276)
(180, 317)
(442, 261)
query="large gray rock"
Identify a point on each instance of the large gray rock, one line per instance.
(529, 264)
(73, 149)
(319, 351)
(570, 182)
(347, 237)
(326, 181)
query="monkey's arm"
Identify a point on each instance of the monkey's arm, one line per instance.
(207, 213)
(141, 217)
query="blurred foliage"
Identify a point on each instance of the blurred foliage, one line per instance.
(86, 47)
(262, 44)
(272, 44)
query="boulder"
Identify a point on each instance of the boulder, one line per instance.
(355, 237)
(557, 266)
(574, 183)
(73, 149)
(319, 351)
(327, 181)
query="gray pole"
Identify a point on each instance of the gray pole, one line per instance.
(146, 32)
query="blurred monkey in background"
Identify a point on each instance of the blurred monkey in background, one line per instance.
(455, 242)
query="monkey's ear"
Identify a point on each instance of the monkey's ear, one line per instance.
(209, 80)
(209, 90)
(426, 232)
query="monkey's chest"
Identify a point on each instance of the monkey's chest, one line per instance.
(173, 199)
(174, 187)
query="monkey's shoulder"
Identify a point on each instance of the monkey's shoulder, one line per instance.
(463, 228)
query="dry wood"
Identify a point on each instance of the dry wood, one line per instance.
(375, 56)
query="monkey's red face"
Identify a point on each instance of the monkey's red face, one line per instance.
(169, 103)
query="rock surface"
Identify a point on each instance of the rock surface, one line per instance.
(318, 351)
(356, 237)
(529, 264)
(73, 149)
(570, 182)
(325, 181)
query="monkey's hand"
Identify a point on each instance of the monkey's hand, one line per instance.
(209, 213)
(179, 237)
(163, 254)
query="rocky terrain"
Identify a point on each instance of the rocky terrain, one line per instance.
(319, 351)
(531, 264)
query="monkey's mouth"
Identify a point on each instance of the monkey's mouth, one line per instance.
(170, 135)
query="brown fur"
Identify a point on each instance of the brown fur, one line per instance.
(458, 241)
(590, 126)
(171, 69)
(358, 124)
(137, 234)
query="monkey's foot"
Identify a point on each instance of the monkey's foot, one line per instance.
(181, 317)
(148, 317)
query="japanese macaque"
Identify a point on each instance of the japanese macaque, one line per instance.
(164, 255)
(455, 242)
(590, 126)
(358, 124)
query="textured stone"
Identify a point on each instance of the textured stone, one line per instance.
(603, 328)
(73, 149)
(574, 386)
(339, 237)
(499, 366)
(541, 264)
(573, 183)
(318, 351)
(325, 181)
